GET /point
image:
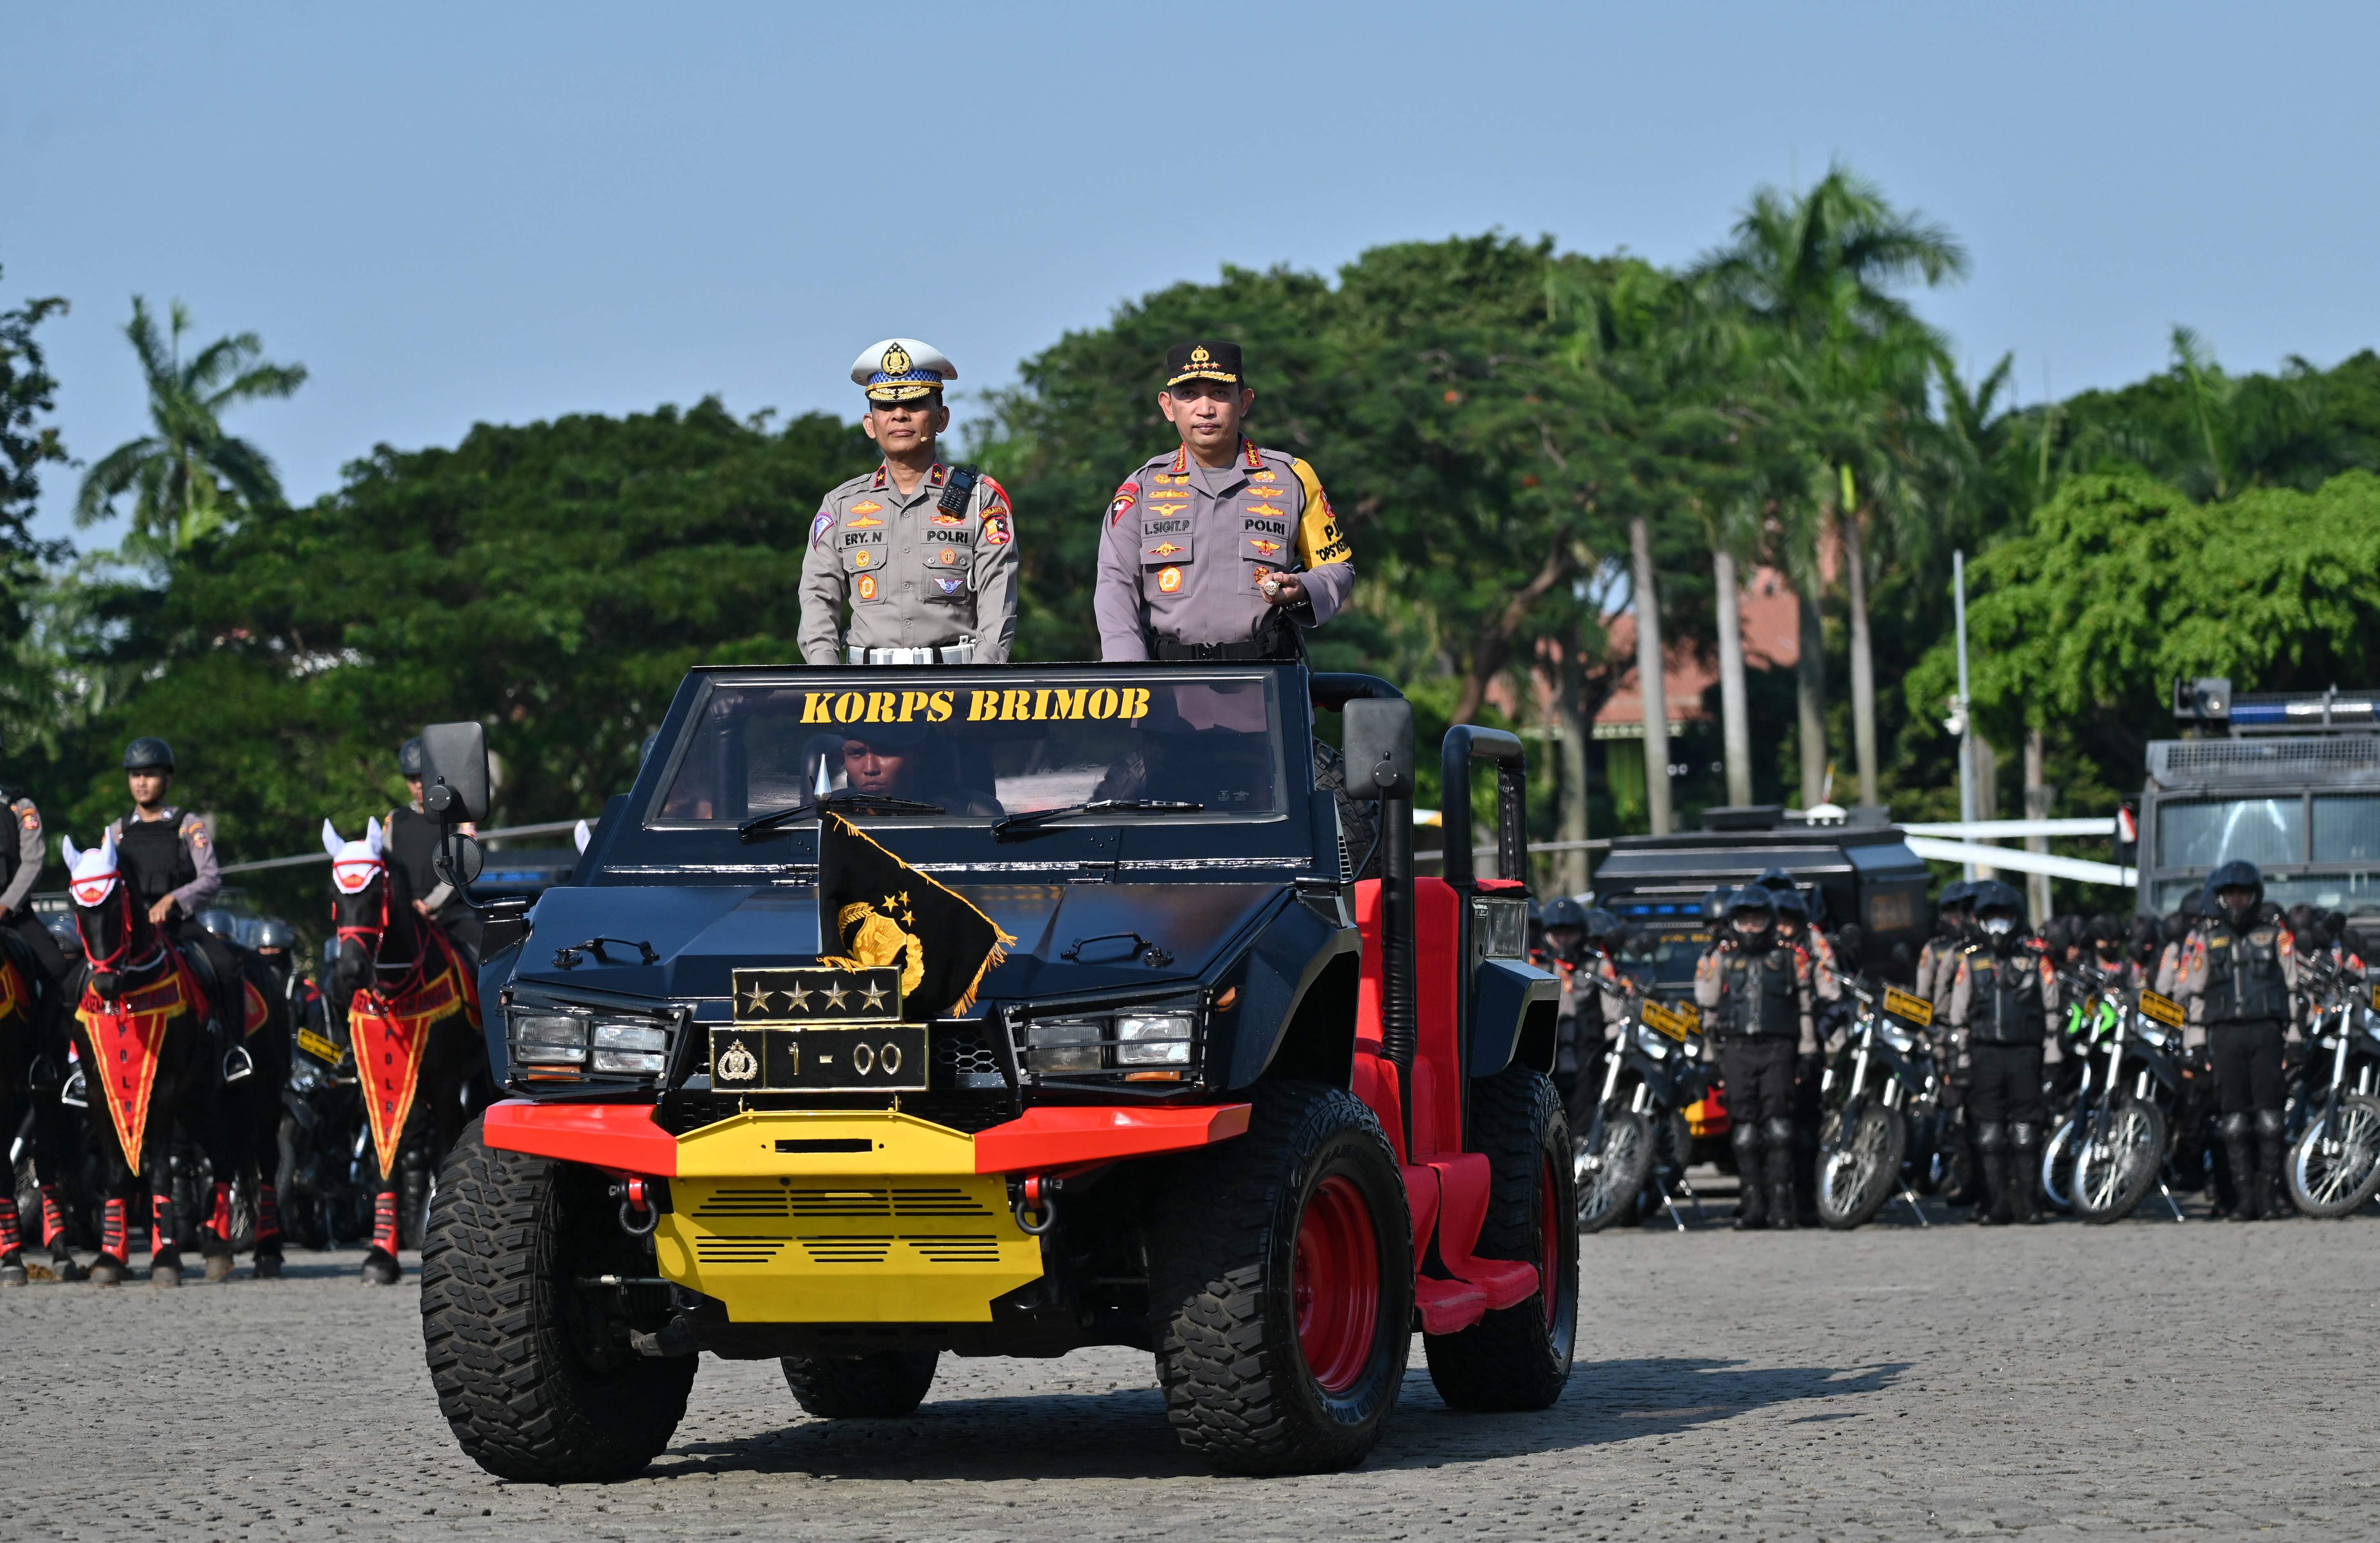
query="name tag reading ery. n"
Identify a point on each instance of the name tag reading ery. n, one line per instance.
(818, 1031)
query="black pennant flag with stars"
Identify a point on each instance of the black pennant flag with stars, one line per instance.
(875, 910)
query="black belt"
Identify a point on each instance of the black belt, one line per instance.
(1278, 641)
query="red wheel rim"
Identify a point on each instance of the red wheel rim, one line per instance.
(1335, 1286)
(1549, 1240)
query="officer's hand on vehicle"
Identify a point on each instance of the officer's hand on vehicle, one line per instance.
(1282, 590)
(161, 911)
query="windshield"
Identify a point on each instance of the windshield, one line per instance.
(2201, 834)
(980, 745)
(1663, 958)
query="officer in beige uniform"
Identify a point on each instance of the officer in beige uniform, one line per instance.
(1217, 550)
(923, 554)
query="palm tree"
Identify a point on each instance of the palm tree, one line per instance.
(1810, 278)
(188, 477)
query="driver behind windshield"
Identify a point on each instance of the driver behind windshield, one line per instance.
(900, 760)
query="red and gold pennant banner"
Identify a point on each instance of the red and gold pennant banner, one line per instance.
(128, 1040)
(390, 1039)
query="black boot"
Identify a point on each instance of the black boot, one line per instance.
(2024, 1165)
(1778, 1136)
(1751, 1206)
(2239, 1150)
(2271, 1158)
(1992, 1199)
(12, 1245)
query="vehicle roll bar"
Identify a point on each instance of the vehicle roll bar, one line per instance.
(1466, 743)
(1400, 991)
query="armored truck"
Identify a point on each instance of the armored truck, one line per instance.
(903, 1013)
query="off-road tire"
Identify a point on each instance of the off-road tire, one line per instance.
(526, 1400)
(2138, 1163)
(881, 1385)
(2328, 1187)
(1519, 1357)
(1873, 1151)
(1223, 1239)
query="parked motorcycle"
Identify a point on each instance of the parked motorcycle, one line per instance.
(1879, 1090)
(2112, 1147)
(2334, 1165)
(1637, 1143)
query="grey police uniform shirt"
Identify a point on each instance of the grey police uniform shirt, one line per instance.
(200, 847)
(1185, 546)
(31, 855)
(913, 577)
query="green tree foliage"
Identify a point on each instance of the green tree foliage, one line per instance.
(2121, 583)
(555, 582)
(189, 478)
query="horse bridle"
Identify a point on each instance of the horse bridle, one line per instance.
(108, 964)
(376, 934)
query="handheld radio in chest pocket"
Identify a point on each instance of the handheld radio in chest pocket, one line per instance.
(955, 491)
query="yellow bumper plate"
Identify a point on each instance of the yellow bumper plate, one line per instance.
(841, 1218)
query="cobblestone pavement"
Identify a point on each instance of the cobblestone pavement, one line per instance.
(2203, 1379)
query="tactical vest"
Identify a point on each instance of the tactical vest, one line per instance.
(413, 846)
(151, 857)
(1759, 997)
(2244, 983)
(2005, 1005)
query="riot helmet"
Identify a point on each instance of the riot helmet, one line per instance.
(1951, 907)
(2107, 936)
(1793, 910)
(220, 923)
(408, 759)
(1999, 915)
(148, 754)
(1602, 928)
(1565, 928)
(61, 925)
(273, 933)
(2234, 890)
(1752, 916)
(1714, 904)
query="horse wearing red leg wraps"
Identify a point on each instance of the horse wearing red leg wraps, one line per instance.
(413, 1018)
(140, 1029)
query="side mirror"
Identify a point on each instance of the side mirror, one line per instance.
(455, 772)
(1379, 743)
(462, 860)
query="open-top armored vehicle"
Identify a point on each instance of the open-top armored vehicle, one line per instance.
(1005, 1012)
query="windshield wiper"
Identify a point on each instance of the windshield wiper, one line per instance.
(810, 808)
(1025, 821)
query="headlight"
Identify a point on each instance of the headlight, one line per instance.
(630, 1048)
(549, 1040)
(1161, 1040)
(1651, 1043)
(1063, 1045)
(1145, 1044)
(1898, 1040)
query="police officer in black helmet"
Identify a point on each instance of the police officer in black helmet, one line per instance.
(1757, 990)
(2239, 970)
(413, 840)
(2003, 994)
(167, 858)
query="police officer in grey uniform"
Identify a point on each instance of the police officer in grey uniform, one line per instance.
(20, 868)
(1217, 550)
(413, 840)
(167, 858)
(923, 554)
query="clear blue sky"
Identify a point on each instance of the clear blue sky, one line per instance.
(453, 213)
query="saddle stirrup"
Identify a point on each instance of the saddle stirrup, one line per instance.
(237, 1064)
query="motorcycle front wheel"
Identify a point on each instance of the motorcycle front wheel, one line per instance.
(2117, 1166)
(1858, 1166)
(1611, 1171)
(2057, 1165)
(2335, 1166)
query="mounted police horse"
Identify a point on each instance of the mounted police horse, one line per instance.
(149, 1061)
(413, 1018)
(32, 1059)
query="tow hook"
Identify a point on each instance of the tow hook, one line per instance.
(674, 1338)
(1034, 1193)
(638, 1215)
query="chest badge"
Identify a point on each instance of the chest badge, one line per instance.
(1169, 581)
(867, 586)
(861, 558)
(1165, 549)
(1265, 548)
(948, 557)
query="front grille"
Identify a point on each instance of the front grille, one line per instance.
(737, 1250)
(970, 1249)
(961, 1049)
(744, 1202)
(854, 1249)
